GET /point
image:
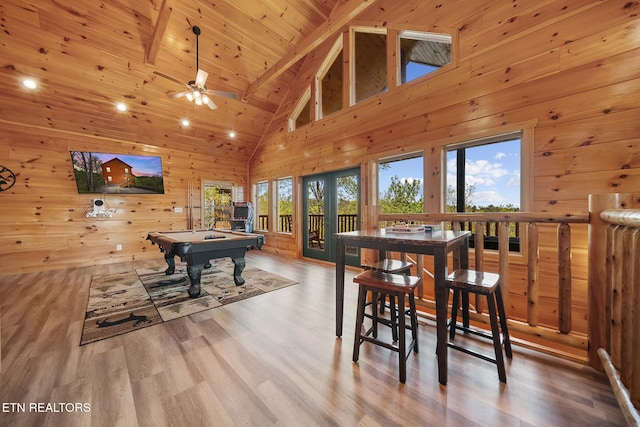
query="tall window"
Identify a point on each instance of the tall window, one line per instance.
(217, 205)
(331, 81)
(401, 184)
(262, 206)
(484, 176)
(285, 205)
(370, 68)
(422, 53)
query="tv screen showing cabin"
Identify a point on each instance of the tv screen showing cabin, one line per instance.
(106, 173)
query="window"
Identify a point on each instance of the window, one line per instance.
(285, 205)
(484, 176)
(217, 205)
(331, 82)
(262, 206)
(302, 113)
(401, 184)
(370, 64)
(422, 53)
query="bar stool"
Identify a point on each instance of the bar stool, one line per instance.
(394, 266)
(396, 286)
(465, 282)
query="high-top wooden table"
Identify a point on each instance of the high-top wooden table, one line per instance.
(438, 244)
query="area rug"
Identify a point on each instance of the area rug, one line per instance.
(125, 302)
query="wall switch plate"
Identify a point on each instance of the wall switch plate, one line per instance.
(118, 247)
(177, 209)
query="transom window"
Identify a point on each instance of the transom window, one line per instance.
(422, 53)
(418, 54)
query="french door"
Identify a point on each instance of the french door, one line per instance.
(331, 205)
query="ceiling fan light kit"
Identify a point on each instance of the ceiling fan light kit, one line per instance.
(197, 89)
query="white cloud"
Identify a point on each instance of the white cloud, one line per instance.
(484, 198)
(499, 155)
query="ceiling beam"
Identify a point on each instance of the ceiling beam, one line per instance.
(342, 14)
(158, 32)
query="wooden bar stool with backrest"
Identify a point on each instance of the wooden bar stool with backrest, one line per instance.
(393, 266)
(464, 282)
(398, 286)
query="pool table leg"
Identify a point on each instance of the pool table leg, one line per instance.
(238, 266)
(195, 273)
(171, 263)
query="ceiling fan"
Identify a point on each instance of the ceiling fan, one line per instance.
(197, 89)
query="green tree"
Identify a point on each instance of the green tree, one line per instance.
(348, 189)
(403, 196)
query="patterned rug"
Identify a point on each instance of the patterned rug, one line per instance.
(125, 302)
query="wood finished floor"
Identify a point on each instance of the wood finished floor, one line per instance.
(270, 360)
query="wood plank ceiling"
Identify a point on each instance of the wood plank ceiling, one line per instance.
(88, 55)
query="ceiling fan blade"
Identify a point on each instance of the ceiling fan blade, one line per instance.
(179, 94)
(222, 93)
(201, 78)
(209, 102)
(173, 79)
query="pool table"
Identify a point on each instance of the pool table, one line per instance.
(197, 247)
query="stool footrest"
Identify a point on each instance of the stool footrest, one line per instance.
(474, 331)
(472, 352)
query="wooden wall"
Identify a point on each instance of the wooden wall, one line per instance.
(568, 71)
(42, 221)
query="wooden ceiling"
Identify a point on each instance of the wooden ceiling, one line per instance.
(88, 55)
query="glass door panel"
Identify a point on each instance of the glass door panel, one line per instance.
(331, 205)
(315, 206)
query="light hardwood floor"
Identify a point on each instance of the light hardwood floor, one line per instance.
(270, 360)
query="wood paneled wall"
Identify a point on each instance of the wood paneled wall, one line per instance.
(569, 71)
(42, 221)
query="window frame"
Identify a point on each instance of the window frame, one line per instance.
(257, 205)
(422, 36)
(352, 61)
(303, 102)
(525, 133)
(395, 158)
(277, 204)
(336, 50)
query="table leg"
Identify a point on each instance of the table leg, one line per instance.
(195, 273)
(340, 261)
(171, 263)
(238, 266)
(441, 297)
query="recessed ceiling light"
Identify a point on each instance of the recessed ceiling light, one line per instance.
(29, 83)
(185, 123)
(121, 106)
(232, 134)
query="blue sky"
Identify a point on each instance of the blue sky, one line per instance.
(494, 169)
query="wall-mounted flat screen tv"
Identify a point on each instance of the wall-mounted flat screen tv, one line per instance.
(106, 173)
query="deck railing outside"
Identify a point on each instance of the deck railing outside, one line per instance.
(346, 222)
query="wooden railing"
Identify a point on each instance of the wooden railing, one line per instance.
(613, 282)
(559, 338)
(346, 222)
(614, 287)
